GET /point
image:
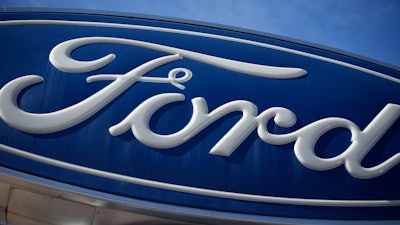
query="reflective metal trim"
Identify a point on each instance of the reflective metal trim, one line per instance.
(27, 199)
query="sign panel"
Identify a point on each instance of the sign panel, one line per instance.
(198, 116)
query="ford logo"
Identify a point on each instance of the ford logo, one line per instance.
(198, 116)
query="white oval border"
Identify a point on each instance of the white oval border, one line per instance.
(200, 34)
(187, 189)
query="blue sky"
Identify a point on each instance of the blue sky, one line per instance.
(366, 27)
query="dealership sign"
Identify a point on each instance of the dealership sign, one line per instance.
(198, 116)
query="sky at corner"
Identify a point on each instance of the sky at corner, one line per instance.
(369, 28)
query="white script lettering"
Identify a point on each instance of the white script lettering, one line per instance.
(304, 138)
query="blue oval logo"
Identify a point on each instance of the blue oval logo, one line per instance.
(202, 117)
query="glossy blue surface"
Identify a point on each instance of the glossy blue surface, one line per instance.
(257, 168)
